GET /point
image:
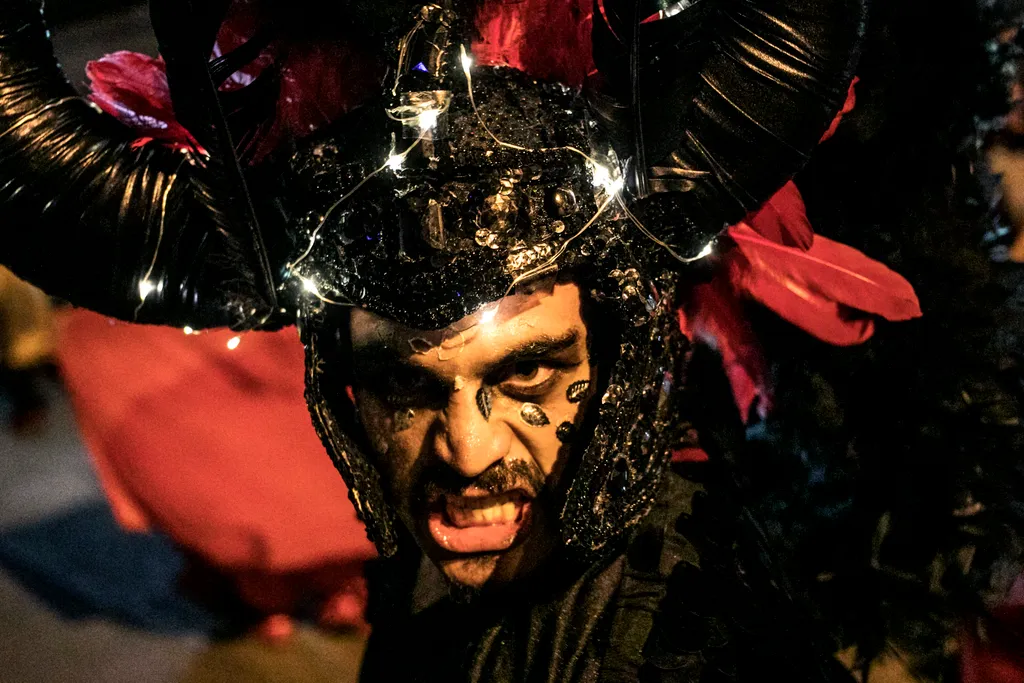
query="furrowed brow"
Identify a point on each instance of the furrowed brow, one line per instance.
(377, 362)
(540, 348)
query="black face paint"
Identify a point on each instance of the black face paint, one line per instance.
(402, 419)
(483, 402)
(577, 390)
(533, 415)
(565, 432)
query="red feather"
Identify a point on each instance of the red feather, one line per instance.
(848, 106)
(133, 88)
(715, 317)
(690, 454)
(783, 219)
(548, 40)
(821, 290)
(321, 78)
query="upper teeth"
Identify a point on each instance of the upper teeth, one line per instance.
(492, 514)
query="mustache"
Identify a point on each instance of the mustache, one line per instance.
(501, 477)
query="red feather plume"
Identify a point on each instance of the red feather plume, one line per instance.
(783, 219)
(715, 317)
(850, 104)
(548, 40)
(826, 290)
(132, 87)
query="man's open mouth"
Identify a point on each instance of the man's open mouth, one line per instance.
(479, 524)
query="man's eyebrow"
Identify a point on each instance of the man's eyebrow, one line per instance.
(374, 357)
(540, 347)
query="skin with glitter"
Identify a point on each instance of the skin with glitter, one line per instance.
(472, 481)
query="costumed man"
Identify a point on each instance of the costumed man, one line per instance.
(486, 281)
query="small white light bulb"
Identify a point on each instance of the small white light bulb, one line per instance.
(233, 343)
(488, 315)
(395, 162)
(309, 286)
(188, 330)
(467, 61)
(427, 120)
(145, 289)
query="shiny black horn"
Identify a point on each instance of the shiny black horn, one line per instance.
(717, 103)
(141, 233)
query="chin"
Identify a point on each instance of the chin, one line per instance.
(470, 572)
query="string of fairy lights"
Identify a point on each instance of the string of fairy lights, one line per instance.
(424, 117)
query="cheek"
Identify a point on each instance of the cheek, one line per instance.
(546, 449)
(550, 442)
(397, 438)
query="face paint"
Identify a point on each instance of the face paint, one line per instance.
(533, 415)
(527, 354)
(483, 402)
(420, 345)
(402, 419)
(565, 432)
(577, 390)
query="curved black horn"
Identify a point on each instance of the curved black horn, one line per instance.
(135, 232)
(720, 102)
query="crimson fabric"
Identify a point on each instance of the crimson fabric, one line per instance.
(215, 448)
(1001, 658)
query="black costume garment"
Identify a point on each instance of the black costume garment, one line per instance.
(675, 605)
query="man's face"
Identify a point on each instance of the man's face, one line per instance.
(471, 425)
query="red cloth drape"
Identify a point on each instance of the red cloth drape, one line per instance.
(215, 448)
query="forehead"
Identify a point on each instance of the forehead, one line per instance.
(548, 313)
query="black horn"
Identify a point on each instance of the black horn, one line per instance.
(717, 103)
(141, 233)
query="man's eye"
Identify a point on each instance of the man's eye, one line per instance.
(526, 371)
(528, 377)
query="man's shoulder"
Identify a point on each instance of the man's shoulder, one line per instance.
(695, 597)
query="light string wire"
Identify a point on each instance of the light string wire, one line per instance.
(704, 253)
(603, 177)
(612, 185)
(533, 272)
(389, 163)
(403, 52)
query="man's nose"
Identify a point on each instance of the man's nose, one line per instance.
(469, 442)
